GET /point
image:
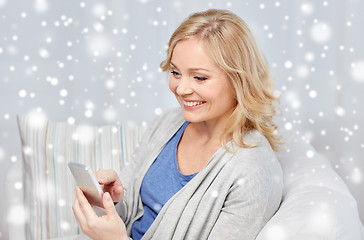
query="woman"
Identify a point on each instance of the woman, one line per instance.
(207, 170)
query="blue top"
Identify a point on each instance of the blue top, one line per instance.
(160, 183)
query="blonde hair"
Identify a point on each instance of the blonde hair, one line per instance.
(230, 43)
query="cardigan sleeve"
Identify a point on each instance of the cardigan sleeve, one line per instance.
(253, 198)
(121, 209)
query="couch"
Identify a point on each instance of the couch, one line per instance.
(316, 203)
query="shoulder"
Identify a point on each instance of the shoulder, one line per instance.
(261, 152)
(256, 174)
(165, 124)
(259, 163)
(169, 117)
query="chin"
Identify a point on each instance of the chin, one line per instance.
(191, 117)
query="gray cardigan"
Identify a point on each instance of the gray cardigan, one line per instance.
(232, 197)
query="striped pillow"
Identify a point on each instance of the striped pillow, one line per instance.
(48, 146)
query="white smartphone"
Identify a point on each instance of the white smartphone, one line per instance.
(88, 183)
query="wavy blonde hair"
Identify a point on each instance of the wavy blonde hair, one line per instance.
(228, 40)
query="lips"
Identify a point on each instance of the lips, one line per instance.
(193, 103)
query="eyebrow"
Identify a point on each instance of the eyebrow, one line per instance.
(191, 69)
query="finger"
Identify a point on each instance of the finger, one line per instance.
(106, 177)
(116, 185)
(109, 205)
(80, 218)
(117, 193)
(99, 174)
(85, 206)
(111, 183)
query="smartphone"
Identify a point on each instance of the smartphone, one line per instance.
(88, 183)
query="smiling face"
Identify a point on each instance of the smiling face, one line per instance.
(200, 86)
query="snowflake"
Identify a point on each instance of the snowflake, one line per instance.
(288, 64)
(65, 226)
(356, 176)
(307, 8)
(357, 71)
(340, 111)
(320, 32)
(41, 6)
(158, 111)
(84, 134)
(2, 153)
(61, 202)
(17, 215)
(110, 115)
(310, 154)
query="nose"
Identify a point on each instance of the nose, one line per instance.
(184, 87)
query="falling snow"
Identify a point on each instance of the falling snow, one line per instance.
(17, 215)
(357, 71)
(320, 32)
(310, 154)
(2, 153)
(307, 8)
(99, 64)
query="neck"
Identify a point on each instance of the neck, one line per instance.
(209, 131)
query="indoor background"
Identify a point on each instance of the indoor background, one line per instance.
(97, 62)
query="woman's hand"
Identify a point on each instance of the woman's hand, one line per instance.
(109, 226)
(110, 183)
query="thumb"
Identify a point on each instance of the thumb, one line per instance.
(109, 205)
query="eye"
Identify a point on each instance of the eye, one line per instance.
(175, 74)
(200, 78)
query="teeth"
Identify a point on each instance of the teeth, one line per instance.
(192, 104)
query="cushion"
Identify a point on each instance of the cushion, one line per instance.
(48, 146)
(317, 204)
